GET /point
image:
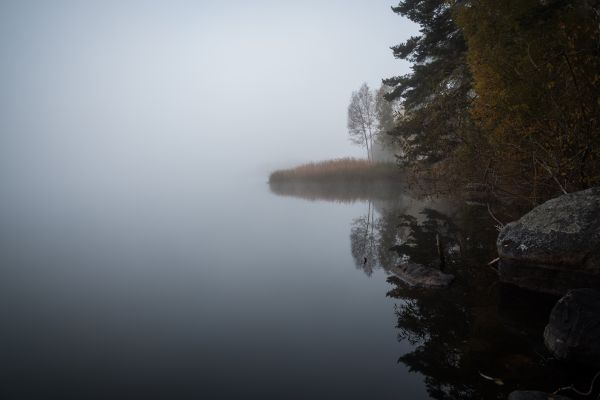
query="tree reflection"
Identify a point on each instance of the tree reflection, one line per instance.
(458, 333)
(474, 329)
(383, 238)
(363, 241)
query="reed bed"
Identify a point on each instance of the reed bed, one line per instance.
(340, 170)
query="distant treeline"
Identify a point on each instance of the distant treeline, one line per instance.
(502, 93)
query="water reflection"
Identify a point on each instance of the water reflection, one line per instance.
(386, 238)
(476, 339)
(363, 241)
(341, 193)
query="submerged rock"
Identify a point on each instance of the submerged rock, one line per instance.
(534, 395)
(573, 332)
(417, 275)
(556, 246)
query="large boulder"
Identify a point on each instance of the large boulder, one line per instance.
(420, 276)
(556, 246)
(573, 331)
(534, 395)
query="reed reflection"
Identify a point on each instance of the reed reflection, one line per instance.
(473, 340)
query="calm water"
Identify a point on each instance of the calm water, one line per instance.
(236, 291)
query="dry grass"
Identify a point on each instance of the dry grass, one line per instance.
(340, 170)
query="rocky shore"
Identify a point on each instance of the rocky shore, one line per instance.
(555, 248)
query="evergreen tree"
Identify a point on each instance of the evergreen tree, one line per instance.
(436, 95)
(385, 112)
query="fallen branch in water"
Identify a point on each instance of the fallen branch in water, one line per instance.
(494, 261)
(497, 381)
(571, 387)
(500, 223)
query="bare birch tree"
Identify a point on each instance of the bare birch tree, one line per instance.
(362, 119)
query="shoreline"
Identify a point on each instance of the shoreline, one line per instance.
(339, 171)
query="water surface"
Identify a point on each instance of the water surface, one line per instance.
(227, 291)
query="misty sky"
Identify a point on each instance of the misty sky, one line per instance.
(133, 90)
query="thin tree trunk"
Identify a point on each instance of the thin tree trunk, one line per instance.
(368, 148)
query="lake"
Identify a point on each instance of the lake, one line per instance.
(227, 291)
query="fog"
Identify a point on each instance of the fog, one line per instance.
(112, 92)
(116, 109)
(142, 253)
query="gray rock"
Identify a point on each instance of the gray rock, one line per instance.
(417, 275)
(573, 332)
(534, 395)
(556, 246)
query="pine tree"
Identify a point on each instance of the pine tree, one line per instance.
(436, 95)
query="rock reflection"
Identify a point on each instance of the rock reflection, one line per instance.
(475, 339)
(464, 342)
